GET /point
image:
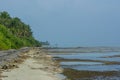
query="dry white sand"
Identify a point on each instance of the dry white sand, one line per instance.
(30, 69)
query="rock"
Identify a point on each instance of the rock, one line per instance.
(5, 67)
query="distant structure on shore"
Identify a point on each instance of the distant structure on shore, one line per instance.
(45, 44)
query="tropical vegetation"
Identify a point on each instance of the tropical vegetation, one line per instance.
(14, 33)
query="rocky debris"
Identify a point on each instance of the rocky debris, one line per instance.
(10, 58)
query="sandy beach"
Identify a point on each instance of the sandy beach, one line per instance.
(39, 66)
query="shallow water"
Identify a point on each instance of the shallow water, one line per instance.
(91, 62)
(90, 56)
(89, 65)
(79, 63)
(94, 67)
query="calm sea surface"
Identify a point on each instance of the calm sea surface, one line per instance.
(96, 63)
(108, 61)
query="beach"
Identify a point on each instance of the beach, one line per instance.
(37, 66)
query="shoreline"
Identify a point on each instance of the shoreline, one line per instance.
(37, 65)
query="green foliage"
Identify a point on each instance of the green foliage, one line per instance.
(14, 33)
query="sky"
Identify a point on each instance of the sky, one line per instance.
(69, 22)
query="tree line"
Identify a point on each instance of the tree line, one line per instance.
(14, 33)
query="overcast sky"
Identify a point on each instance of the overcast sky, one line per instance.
(70, 22)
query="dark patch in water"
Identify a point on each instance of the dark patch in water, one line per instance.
(91, 75)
